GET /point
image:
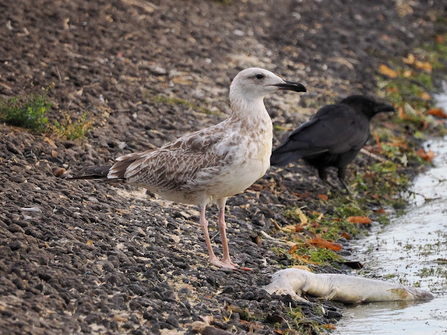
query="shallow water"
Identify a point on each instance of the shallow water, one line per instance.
(411, 250)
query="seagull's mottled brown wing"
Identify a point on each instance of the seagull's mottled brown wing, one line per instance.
(181, 165)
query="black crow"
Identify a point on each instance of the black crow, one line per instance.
(332, 137)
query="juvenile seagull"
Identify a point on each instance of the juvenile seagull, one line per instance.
(211, 164)
(332, 137)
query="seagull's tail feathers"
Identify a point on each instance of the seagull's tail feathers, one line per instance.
(93, 172)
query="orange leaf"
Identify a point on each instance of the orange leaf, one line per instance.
(425, 96)
(50, 142)
(304, 195)
(359, 219)
(89, 242)
(329, 326)
(346, 235)
(304, 259)
(322, 243)
(380, 211)
(407, 73)
(323, 197)
(376, 137)
(409, 59)
(292, 249)
(428, 156)
(437, 112)
(401, 113)
(424, 65)
(387, 71)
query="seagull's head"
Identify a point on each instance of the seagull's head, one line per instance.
(255, 83)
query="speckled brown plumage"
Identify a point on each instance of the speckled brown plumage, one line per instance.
(212, 164)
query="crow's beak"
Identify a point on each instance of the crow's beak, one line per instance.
(384, 108)
(291, 86)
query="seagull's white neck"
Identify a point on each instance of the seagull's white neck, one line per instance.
(251, 113)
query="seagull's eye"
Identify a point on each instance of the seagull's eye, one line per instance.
(260, 76)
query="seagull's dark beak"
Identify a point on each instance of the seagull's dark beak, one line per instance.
(291, 86)
(384, 108)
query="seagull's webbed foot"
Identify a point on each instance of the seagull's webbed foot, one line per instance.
(227, 264)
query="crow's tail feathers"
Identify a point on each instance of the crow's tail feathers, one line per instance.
(284, 158)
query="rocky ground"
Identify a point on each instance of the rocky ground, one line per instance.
(81, 257)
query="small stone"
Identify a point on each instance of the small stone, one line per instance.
(138, 290)
(59, 172)
(15, 228)
(16, 245)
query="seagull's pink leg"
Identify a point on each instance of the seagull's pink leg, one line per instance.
(204, 225)
(226, 260)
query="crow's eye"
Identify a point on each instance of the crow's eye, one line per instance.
(260, 76)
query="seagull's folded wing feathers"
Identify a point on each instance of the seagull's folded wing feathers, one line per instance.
(188, 162)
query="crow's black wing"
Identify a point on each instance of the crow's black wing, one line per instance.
(335, 129)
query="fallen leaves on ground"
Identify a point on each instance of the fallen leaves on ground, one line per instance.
(323, 197)
(387, 71)
(322, 243)
(359, 219)
(424, 66)
(304, 259)
(409, 59)
(346, 235)
(427, 155)
(437, 112)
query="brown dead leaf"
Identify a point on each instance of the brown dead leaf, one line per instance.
(424, 65)
(387, 71)
(427, 155)
(89, 242)
(409, 59)
(437, 112)
(407, 73)
(50, 142)
(346, 235)
(376, 137)
(289, 228)
(303, 196)
(302, 216)
(380, 211)
(303, 258)
(293, 249)
(320, 215)
(399, 143)
(401, 113)
(359, 219)
(322, 243)
(425, 96)
(323, 197)
(329, 326)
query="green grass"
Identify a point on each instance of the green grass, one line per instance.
(73, 129)
(30, 112)
(26, 112)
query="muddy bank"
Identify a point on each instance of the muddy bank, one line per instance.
(91, 258)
